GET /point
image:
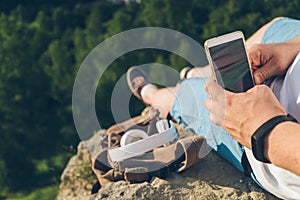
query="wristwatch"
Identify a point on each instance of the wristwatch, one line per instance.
(259, 136)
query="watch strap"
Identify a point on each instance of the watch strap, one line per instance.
(259, 136)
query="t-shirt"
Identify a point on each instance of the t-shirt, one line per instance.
(278, 181)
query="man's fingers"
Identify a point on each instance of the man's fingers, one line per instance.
(214, 119)
(255, 55)
(258, 55)
(216, 112)
(263, 73)
(212, 88)
(208, 104)
(262, 63)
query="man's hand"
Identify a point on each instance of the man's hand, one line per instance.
(273, 59)
(240, 114)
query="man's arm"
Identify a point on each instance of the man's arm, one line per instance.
(272, 59)
(283, 146)
(243, 113)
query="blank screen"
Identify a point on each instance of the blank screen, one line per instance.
(231, 66)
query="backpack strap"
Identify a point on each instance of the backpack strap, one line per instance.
(142, 146)
(163, 160)
(195, 148)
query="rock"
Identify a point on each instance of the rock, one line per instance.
(211, 178)
(77, 179)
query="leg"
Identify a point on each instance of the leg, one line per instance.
(189, 111)
(203, 72)
(162, 99)
(187, 108)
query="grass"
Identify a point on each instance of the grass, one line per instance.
(46, 193)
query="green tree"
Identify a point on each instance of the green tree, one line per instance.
(42, 45)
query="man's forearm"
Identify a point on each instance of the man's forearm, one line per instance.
(296, 40)
(294, 45)
(283, 146)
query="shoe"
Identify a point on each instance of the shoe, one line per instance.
(136, 80)
(184, 72)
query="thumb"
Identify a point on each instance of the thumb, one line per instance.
(263, 73)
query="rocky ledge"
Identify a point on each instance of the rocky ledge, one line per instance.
(211, 178)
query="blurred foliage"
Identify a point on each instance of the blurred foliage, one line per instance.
(43, 43)
(46, 193)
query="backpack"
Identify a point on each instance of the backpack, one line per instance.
(176, 156)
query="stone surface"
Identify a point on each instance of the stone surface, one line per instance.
(211, 178)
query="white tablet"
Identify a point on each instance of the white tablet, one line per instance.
(229, 61)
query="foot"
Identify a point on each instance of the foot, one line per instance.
(184, 72)
(136, 80)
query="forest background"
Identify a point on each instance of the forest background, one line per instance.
(42, 45)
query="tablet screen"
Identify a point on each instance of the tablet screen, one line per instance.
(231, 66)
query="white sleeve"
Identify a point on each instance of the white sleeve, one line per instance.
(290, 91)
(278, 181)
